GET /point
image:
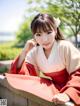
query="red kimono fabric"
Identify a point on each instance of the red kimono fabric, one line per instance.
(28, 81)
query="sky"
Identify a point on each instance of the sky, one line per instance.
(11, 14)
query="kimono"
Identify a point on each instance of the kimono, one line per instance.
(61, 72)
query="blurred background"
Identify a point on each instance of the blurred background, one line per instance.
(16, 16)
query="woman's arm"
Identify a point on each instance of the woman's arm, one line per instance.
(71, 58)
(72, 88)
(28, 46)
(72, 63)
(18, 65)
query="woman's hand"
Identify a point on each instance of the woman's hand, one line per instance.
(60, 98)
(29, 45)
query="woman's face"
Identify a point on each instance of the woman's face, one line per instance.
(45, 39)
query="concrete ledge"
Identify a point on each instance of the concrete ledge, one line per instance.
(6, 63)
(20, 98)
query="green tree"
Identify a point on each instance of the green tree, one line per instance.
(24, 33)
(69, 13)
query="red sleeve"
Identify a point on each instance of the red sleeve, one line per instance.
(72, 88)
(26, 69)
(31, 69)
(13, 69)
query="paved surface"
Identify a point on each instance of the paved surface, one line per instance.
(6, 62)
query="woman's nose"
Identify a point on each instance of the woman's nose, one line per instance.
(45, 38)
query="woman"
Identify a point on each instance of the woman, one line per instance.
(55, 57)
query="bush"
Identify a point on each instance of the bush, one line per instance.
(8, 52)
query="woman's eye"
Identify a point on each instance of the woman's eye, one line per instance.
(49, 32)
(38, 34)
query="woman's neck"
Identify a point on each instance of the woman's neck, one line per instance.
(47, 51)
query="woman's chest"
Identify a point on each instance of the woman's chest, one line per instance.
(53, 63)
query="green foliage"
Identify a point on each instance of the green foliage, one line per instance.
(68, 11)
(8, 52)
(23, 33)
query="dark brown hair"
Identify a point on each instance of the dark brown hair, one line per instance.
(45, 23)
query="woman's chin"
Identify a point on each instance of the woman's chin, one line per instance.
(47, 47)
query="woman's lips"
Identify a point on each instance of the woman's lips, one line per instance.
(46, 44)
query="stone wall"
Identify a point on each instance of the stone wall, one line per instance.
(19, 98)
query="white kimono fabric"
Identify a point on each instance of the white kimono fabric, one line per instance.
(62, 56)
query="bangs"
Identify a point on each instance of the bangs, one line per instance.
(42, 26)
